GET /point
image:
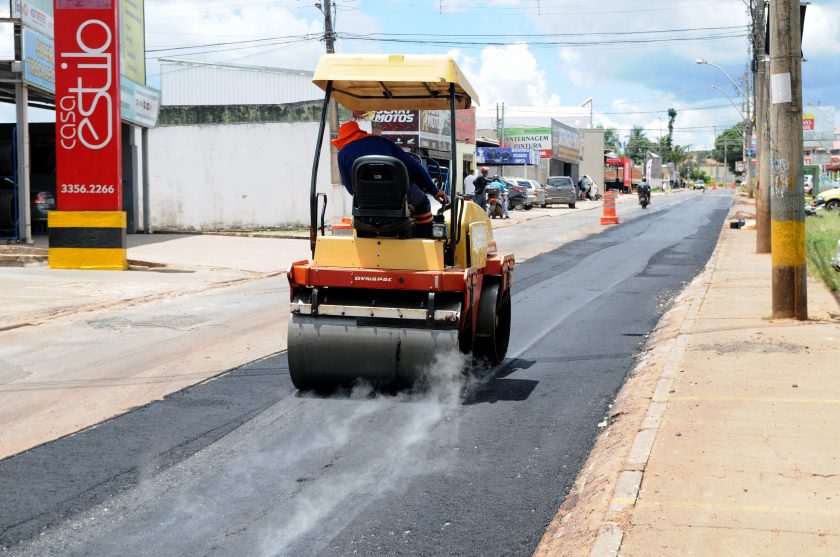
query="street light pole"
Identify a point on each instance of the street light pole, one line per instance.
(732, 81)
(747, 131)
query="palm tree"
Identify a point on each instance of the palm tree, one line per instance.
(611, 140)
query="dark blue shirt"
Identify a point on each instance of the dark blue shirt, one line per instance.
(376, 145)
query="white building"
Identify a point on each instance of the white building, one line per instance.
(234, 149)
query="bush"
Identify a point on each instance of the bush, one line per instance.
(821, 235)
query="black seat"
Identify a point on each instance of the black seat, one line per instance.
(380, 203)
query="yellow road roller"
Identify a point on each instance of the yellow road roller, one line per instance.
(381, 304)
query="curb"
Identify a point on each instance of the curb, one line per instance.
(629, 483)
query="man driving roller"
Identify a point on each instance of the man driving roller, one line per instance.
(353, 142)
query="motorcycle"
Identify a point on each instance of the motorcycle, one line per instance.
(644, 199)
(592, 193)
(494, 201)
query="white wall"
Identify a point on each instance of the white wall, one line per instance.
(236, 176)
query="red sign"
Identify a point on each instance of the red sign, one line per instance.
(628, 171)
(807, 122)
(87, 98)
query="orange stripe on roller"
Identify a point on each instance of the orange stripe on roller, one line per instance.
(423, 220)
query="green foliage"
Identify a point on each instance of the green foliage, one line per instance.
(638, 145)
(821, 235)
(611, 140)
(730, 145)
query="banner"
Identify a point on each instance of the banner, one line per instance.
(628, 172)
(529, 138)
(807, 122)
(435, 130)
(506, 155)
(140, 105)
(565, 142)
(88, 130)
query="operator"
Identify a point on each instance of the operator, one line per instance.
(353, 142)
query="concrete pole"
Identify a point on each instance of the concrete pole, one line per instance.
(762, 98)
(332, 114)
(787, 197)
(147, 203)
(22, 140)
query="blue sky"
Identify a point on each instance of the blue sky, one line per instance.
(631, 84)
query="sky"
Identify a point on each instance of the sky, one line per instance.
(633, 58)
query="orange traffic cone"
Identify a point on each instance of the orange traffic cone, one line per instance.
(609, 216)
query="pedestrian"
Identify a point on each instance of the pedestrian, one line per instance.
(581, 187)
(479, 184)
(469, 185)
(353, 142)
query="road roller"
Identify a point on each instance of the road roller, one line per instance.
(376, 302)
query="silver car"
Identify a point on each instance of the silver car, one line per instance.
(560, 189)
(535, 192)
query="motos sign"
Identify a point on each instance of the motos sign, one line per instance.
(87, 97)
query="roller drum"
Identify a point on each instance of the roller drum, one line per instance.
(328, 351)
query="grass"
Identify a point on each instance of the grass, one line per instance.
(821, 241)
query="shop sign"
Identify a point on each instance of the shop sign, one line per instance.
(140, 105)
(506, 155)
(565, 142)
(807, 122)
(530, 138)
(435, 130)
(400, 126)
(88, 130)
(38, 65)
(35, 14)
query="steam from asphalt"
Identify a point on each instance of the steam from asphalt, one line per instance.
(393, 459)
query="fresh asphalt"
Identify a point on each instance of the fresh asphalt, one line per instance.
(244, 465)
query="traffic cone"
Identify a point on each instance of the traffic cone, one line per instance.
(609, 216)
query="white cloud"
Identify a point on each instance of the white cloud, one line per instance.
(507, 73)
(822, 30)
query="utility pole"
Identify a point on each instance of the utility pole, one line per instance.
(332, 112)
(787, 196)
(761, 66)
(747, 149)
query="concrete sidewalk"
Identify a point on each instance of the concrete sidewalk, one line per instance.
(724, 439)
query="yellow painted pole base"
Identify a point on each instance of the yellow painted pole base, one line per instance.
(94, 240)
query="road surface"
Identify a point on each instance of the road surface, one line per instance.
(245, 465)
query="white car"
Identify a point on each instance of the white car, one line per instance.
(536, 194)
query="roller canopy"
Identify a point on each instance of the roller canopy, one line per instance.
(393, 82)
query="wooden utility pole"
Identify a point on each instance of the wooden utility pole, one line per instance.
(787, 196)
(761, 67)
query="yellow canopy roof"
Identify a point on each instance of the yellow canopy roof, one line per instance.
(393, 82)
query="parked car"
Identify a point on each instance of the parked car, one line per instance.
(517, 195)
(42, 201)
(699, 185)
(829, 198)
(560, 189)
(534, 192)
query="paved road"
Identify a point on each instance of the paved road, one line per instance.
(243, 465)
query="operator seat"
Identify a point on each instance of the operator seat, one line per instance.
(380, 202)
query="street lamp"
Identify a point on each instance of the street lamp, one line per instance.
(730, 101)
(701, 61)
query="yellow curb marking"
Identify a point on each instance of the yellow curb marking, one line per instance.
(629, 501)
(772, 509)
(754, 399)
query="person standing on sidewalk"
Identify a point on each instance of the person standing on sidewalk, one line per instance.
(469, 185)
(479, 184)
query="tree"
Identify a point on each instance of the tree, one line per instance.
(672, 115)
(638, 145)
(611, 140)
(730, 145)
